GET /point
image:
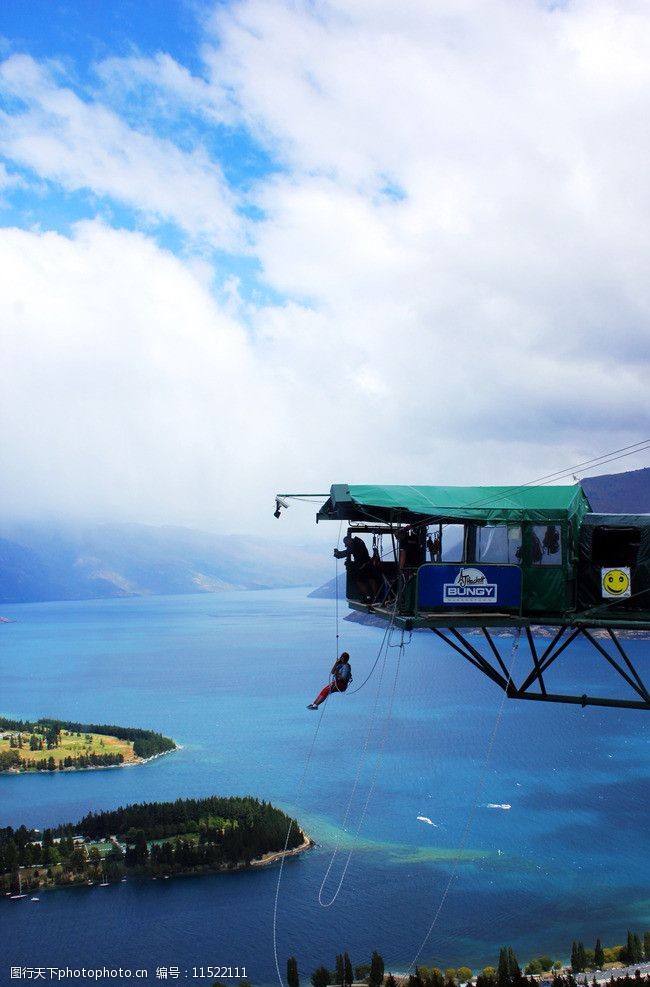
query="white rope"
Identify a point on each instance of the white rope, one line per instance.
(300, 786)
(336, 589)
(297, 797)
(383, 736)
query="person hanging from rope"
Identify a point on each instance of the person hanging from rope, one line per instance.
(341, 677)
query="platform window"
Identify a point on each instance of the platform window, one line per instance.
(546, 548)
(453, 543)
(499, 543)
(615, 546)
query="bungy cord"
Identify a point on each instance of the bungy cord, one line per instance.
(384, 643)
(362, 759)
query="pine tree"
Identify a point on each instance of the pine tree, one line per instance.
(582, 956)
(599, 955)
(578, 957)
(348, 976)
(293, 979)
(634, 948)
(508, 970)
(339, 975)
(376, 970)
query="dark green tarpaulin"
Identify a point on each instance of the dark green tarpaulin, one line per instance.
(480, 504)
(590, 593)
(544, 588)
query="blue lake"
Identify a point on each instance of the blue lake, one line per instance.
(229, 676)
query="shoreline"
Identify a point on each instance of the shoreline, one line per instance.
(275, 855)
(267, 860)
(135, 763)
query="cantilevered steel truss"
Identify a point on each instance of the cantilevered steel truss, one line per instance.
(494, 658)
(533, 685)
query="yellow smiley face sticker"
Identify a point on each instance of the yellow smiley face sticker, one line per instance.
(616, 582)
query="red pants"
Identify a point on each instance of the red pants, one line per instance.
(329, 688)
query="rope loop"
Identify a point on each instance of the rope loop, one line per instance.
(472, 812)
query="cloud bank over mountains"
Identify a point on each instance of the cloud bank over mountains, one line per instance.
(331, 243)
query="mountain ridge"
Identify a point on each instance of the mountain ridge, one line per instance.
(42, 561)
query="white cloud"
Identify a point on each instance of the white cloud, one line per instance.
(123, 384)
(85, 145)
(458, 223)
(505, 277)
(165, 87)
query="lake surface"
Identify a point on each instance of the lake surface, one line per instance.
(229, 676)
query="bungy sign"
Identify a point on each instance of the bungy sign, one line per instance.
(469, 586)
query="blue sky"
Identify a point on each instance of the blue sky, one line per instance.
(272, 244)
(86, 31)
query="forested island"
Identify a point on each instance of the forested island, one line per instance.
(62, 745)
(156, 839)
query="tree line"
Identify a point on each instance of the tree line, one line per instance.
(63, 763)
(635, 950)
(390, 981)
(159, 837)
(507, 973)
(257, 825)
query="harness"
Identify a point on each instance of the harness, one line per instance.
(343, 676)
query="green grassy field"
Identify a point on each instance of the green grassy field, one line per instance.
(70, 745)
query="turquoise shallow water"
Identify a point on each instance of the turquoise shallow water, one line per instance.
(229, 676)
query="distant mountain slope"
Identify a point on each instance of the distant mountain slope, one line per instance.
(619, 493)
(63, 562)
(54, 561)
(328, 590)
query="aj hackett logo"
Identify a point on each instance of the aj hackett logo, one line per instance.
(469, 586)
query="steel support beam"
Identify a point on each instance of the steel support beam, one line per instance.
(497, 671)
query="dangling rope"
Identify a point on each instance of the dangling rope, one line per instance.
(373, 782)
(351, 692)
(301, 782)
(336, 590)
(472, 811)
(297, 798)
(385, 639)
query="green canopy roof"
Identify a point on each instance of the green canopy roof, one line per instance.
(482, 504)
